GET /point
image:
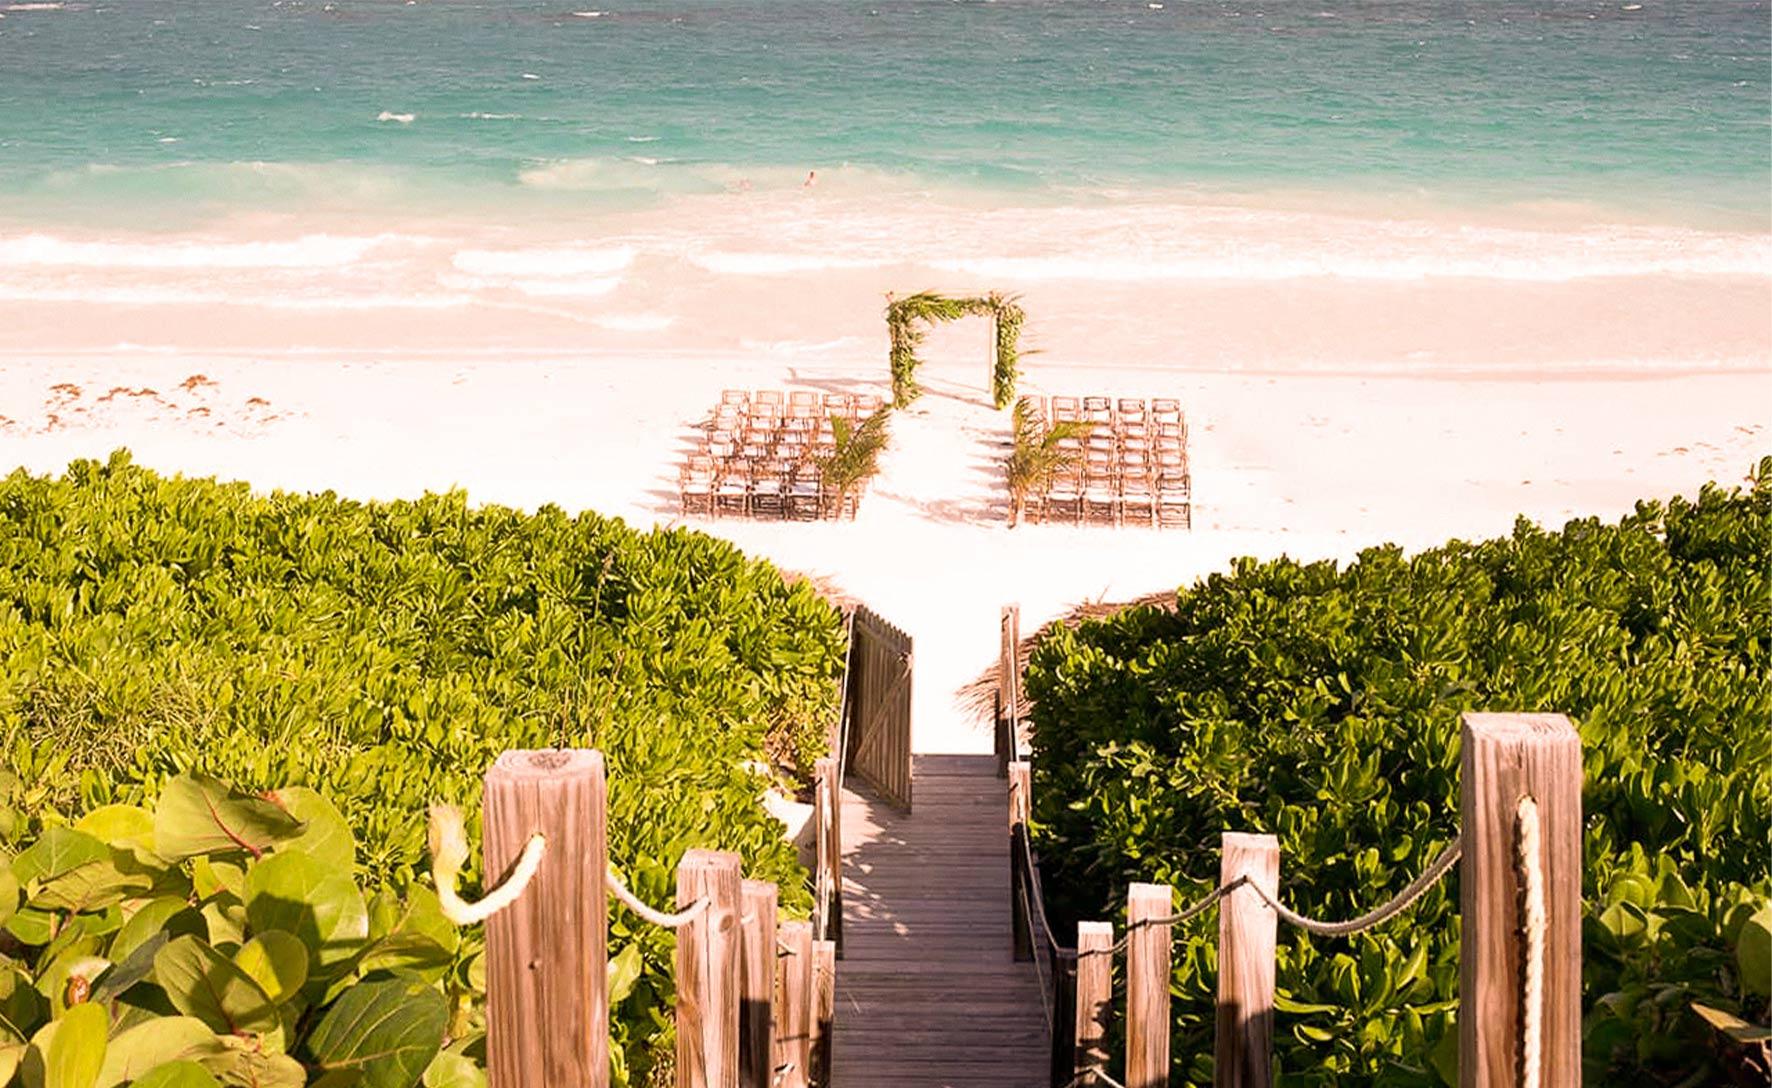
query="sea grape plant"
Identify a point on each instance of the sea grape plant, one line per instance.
(1321, 703)
(384, 654)
(220, 940)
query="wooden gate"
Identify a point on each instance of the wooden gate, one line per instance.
(878, 704)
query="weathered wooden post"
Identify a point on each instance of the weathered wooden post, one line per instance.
(1519, 1020)
(793, 1036)
(824, 1009)
(547, 1000)
(708, 970)
(1008, 686)
(828, 811)
(1147, 985)
(1095, 998)
(1244, 1044)
(756, 1018)
(1020, 893)
(1063, 972)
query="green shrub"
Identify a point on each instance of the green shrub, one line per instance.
(385, 653)
(218, 940)
(1322, 704)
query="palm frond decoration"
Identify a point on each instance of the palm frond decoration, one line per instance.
(1037, 456)
(854, 460)
(907, 320)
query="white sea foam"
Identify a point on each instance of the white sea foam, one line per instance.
(492, 116)
(642, 139)
(634, 322)
(33, 7)
(778, 264)
(196, 296)
(309, 251)
(589, 14)
(544, 262)
(402, 118)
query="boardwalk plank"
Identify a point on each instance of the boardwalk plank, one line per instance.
(928, 995)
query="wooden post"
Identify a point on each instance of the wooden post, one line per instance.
(756, 1019)
(547, 999)
(708, 970)
(1095, 998)
(1063, 971)
(1147, 986)
(1507, 757)
(824, 1009)
(793, 1002)
(1243, 1052)
(828, 811)
(1008, 687)
(1021, 894)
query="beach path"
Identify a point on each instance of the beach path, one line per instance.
(929, 994)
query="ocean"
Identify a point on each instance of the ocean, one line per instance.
(356, 154)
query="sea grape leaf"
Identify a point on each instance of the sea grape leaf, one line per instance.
(1753, 952)
(94, 885)
(624, 971)
(126, 973)
(199, 815)
(453, 1071)
(12, 1055)
(417, 937)
(293, 893)
(180, 1074)
(119, 825)
(201, 982)
(9, 892)
(136, 1050)
(277, 961)
(1733, 1026)
(166, 913)
(389, 1029)
(58, 850)
(73, 1056)
(325, 835)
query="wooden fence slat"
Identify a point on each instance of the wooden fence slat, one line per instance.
(1095, 998)
(1507, 757)
(708, 970)
(756, 1019)
(824, 1010)
(827, 814)
(1147, 985)
(552, 1026)
(1247, 928)
(793, 1040)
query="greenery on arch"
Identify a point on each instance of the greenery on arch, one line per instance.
(907, 318)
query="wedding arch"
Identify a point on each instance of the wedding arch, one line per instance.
(907, 319)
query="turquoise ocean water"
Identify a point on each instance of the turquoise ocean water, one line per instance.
(176, 112)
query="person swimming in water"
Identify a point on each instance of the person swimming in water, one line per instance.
(811, 179)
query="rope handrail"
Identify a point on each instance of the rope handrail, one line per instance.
(1383, 912)
(1527, 861)
(449, 851)
(656, 917)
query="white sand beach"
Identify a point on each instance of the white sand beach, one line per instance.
(1315, 465)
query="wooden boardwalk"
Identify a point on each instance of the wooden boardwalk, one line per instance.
(928, 993)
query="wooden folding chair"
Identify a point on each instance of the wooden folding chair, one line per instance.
(767, 396)
(733, 494)
(696, 488)
(1101, 497)
(1138, 503)
(1065, 497)
(736, 398)
(1175, 500)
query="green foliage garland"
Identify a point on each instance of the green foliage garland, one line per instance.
(385, 653)
(1322, 705)
(906, 321)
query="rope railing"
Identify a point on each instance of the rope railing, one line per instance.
(657, 917)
